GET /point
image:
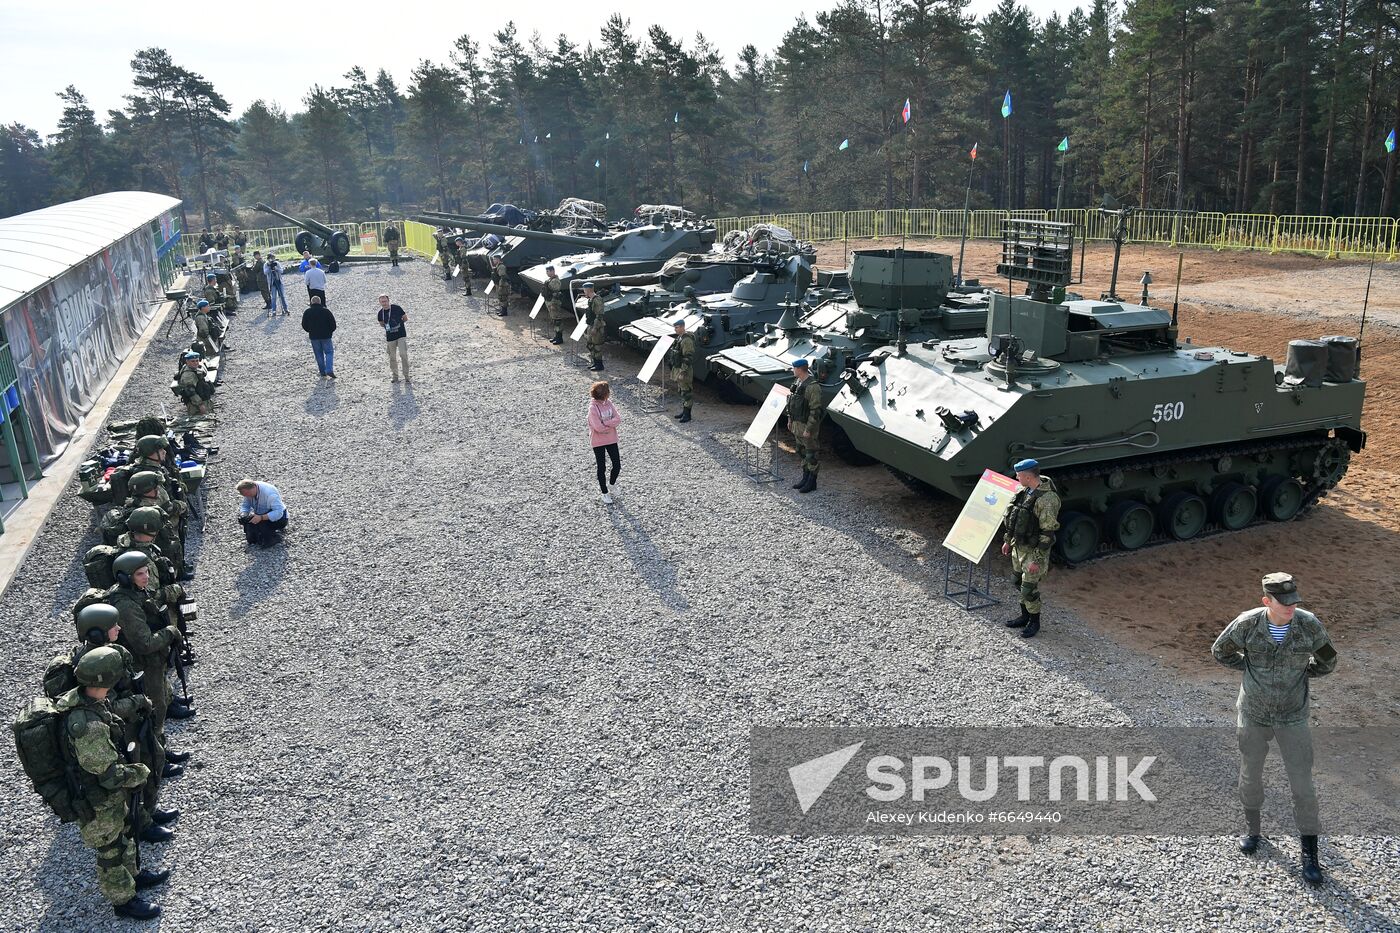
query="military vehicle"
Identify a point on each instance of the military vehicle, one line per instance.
(331, 246)
(1146, 438)
(501, 232)
(635, 251)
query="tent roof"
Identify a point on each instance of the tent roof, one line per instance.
(38, 247)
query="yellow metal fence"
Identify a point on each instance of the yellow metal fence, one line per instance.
(1333, 237)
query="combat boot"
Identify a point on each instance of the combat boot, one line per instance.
(1021, 622)
(172, 770)
(803, 481)
(1249, 843)
(155, 833)
(137, 909)
(810, 485)
(557, 339)
(1032, 627)
(146, 878)
(178, 758)
(164, 817)
(179, 711)
(684, 416)
(1312, 871)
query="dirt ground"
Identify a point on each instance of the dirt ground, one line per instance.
(1172, 600)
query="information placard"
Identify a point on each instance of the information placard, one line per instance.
(535, 311)
(490, 287)
(763, 422)
(577, 335)
(654, 358)
(980, 518)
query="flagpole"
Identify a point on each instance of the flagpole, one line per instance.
(1059, 195)
(967, 218)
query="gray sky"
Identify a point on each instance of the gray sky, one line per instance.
(46, 47)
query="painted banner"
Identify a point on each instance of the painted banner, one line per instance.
(70, 337)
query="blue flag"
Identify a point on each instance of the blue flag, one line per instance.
(845, 144)
(1063, 146)
(608, 135)
(1390, 142)
(1006, 105)
(805, 164)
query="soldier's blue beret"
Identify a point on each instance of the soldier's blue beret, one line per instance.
(588, 285)
(201, 303)
(800, 363)
(1027, 464)
(212, 276)
(191, 355)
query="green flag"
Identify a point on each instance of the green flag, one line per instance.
(1063, 146)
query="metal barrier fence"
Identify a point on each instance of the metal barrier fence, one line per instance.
(1332, 237)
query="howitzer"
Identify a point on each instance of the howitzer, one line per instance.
(315, 237)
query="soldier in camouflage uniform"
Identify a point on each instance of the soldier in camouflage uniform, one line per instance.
(596, 326)
(90, 737)
(144, 632)
(464, 269)
(1030, 525)
(805, 409)
(444, 253)
(681, 359)
(147, 488)
(391, 243)
(191, 383)
(554, 294)
(502, 277)
(260, 279)
(1279, 647)
(212, 293)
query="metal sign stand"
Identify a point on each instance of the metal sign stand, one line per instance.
(758, 463)
(961, 586)
(651, 404)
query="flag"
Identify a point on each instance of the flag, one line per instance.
(907, 111)
(537, 139)
(1006, 105)
(845, 144)
(676, 117)
(608, 135)
(522, 140)
(597, 163)
(973, 153)
(1390, 142)
(805, 164)
(1063, 146)
(548, 135)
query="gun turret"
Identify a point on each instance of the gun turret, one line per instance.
(467, 222)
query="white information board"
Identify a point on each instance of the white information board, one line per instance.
(535, 311)
(490, 287)
(773, 406)
(981, 516)
(577, 335)
(654, 358)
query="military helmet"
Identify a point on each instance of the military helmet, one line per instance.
(127, 563)
(97, 616)
(690, 291)
(143, 482)
(145, 520)
(100, 667)
(149, 444)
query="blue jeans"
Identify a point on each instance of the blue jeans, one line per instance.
(325, 355)
(275, 290)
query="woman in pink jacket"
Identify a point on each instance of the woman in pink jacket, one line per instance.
(603, 418)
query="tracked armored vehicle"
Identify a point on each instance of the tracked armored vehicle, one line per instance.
(490, 235)
(1146, 438)
(636, 251)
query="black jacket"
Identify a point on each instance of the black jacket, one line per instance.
(318, 322)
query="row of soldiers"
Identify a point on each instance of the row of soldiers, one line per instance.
(94, 744)
(220, 240)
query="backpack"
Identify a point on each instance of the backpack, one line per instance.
(97, 564)
(112, 526)
(43, 753)
(59, 676)
(117, 480)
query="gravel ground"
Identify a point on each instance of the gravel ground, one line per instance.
(467, 695)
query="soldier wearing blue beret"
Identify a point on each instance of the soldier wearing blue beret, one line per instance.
(1030, 526)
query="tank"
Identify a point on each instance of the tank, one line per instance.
(636, 251)
(1146, 438)
(520, 247)
(835, 335)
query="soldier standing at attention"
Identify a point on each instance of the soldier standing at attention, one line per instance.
(1030, 526)
(1279, 647)
(498, 272)
(444, 251)
(681, 359)
(391, 243)
(804, 414)
(596, 326)
(553, 292)
(458, 249)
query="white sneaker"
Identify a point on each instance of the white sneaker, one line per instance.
(607, 499)
(612, 488)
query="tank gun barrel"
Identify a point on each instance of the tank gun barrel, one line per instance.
(467, 222)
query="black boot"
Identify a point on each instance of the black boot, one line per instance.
(1032, 627)
(155, 833)
(1249, 842)
(164, 817)
(179, 711)
(178, 758)
(1021, 622)
(810, 485)
(1312, 871)
(684, 416)
(557, 339)
(146, 878)
(803, 481)
(137, 909)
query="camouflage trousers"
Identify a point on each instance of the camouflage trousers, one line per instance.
(560, 319)
(394, 253)
(1296, 749)
(1029, 582)
(109, 834)
(685, 382)
(503, 290)
(198, 406)
(594, 336)
(806, 439)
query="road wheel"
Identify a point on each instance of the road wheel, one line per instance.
(1233, 506)
(847, 451)
(1281, 497)
(1078, 538)
(1129, 524)
(1183, 515)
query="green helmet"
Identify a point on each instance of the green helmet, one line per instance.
(143, 482)
(97, 616)
(100, 667)
(150, 444)
(145, 520)
(127, 563)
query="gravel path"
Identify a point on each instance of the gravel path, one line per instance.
(466, 695)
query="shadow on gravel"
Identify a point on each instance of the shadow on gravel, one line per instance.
(274, 323)
(403, 406)
(322, 400)
(1348, 909)
(652, 566)
(55, 879)
(259, 579)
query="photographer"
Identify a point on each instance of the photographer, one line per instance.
(261, 513)
(273, 270)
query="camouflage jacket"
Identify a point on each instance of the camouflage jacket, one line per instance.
(553, 291)
(804, 405)
(1034, 517)
(144, 632)
(162, 588)
(595, 314)
(92, 736)
(682, 353)
(213, 296)
(125, 701)
(1274, 691)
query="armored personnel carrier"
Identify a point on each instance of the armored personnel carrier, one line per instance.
(1145, 438)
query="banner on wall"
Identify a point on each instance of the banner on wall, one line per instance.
(69, 338)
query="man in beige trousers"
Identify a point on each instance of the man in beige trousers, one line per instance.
(392, 318)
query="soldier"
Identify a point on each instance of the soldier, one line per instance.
(143, 527)
(553, 292)
(391, 243)
(107, 781)
(212, 293)
(498, 272)
(1030, 526)
(221, 239)
(240, 239)
(804, 414)
(464, 269)
(260, 279)
(596, 326)
(681, 359)
(1279, 647)
(206, 240)
(444, 251)
(203, 335)
(192, 384)
(145, 633)
(147, 489)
